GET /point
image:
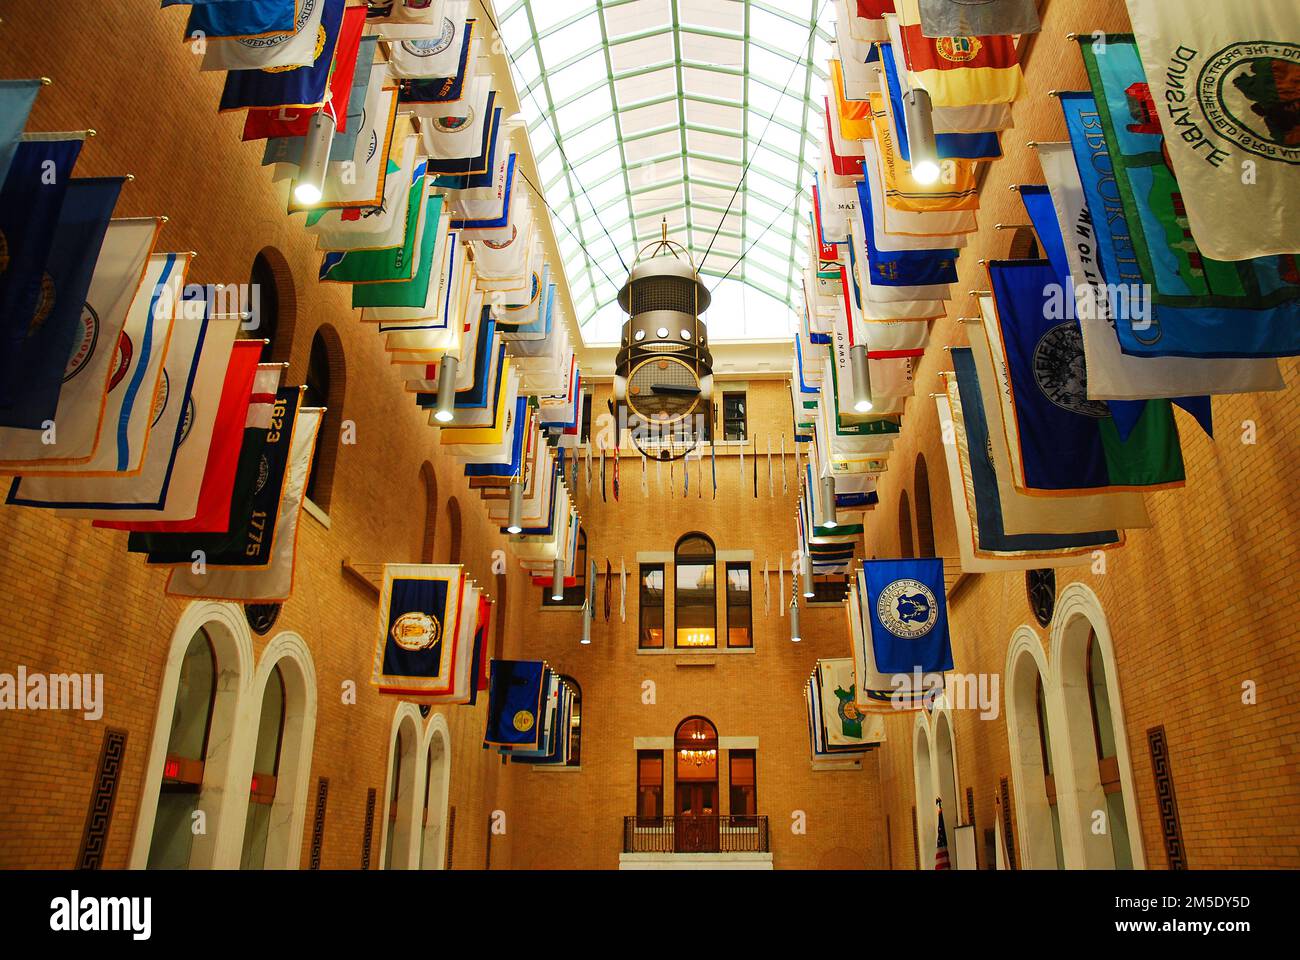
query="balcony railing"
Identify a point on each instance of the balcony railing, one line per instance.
(695, 835)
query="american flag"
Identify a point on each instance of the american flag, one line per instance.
(941, 846)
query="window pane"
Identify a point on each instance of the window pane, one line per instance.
(652, 605)
(649, 785)
(695, 605)
(739, 606)
(744, 789)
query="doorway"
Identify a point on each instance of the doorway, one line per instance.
(696, 792)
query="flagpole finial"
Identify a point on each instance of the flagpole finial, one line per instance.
(46, 81)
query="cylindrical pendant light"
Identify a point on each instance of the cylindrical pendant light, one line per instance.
(446, 388)
(806, 574)
(795, 636)
(861, 373)
(586, 624)
(516, 507)
(829, 518)
(557, 579)
(921, 144)
(315, 156)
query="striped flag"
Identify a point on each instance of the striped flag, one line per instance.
(941, 845)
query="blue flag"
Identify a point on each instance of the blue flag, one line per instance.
(908, 615)
(1159, 329)
(32, 374)
(31, 200)
(239, 18)
(344, 147)
(988, 506)
(16, 99)
(1066, 441)
(299, 87)
(899, 268)
(1042, 214)
(950, 146)
(516, 449)
(515, 702)
(497, 220)
(465, 166)
(418, 604)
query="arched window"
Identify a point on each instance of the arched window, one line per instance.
(905, 549)
(695, 783)
(1049, 770)
(695, 601)
(401, 789)
(326, 381)
(945, 777)
(1024, 245)
(429, 479)
(926, 822)
(1029, 732)
(187, 755)
(575, 724)
(1103, 733)
(263, 320)
(453, 530)
(266, 769)
(437, 794)
(924, 520)
(575, 595)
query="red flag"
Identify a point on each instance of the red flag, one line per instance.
(292, 122)
(484, 622)
(213, 513)
(941, 846)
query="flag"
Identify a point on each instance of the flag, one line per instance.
(1224, 78)
(713, 466)
(878, 690)
(30, 200)
(1158, 329)
(1171, 263)
(516, 689)
(845, 724)
(288, 148)
(941, 844)
(964, 18)
(959, 71)
(210, 436)
(767, 590)
(264, 19)
(442, 89)
(31, 374)
(92, 365)
(956, 191)
(183, 408)
(16, 99)
(622, 591)
(284, 122)
(1062, 442)
(1024, 513)
(609, 587)
(982, 493)
(983, 145)
(283, 50)
(420, 612)
(771, 492)
(1113, 374)
(780, 587)
(113, 443)
(303, 86)
(231, 439)
(908, 615)
(437, 54)
(260, 480)
(271, 580)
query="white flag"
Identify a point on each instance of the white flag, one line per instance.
(436, 50)
(297, 49)
(1224, 77)
(1113, 374)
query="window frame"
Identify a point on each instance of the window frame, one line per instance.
(661, 606)
(679, 561)
(743, 419)
(742, 819)
(658, 790)
(748, 606)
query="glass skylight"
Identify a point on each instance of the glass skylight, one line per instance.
(658, 105)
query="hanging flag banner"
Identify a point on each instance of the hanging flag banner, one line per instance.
(964, 18)
(1223, 76)
(906, 604)
(959, 71)
(16, 100)
(298, 86)
(420, 611)
(516, 697)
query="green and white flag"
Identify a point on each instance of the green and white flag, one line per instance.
(1223, 80)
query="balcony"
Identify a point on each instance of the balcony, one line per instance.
(696, 835)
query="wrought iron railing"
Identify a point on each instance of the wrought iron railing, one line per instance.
(695, 835)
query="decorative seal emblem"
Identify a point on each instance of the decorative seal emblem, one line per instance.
(321, 39)
(85, 347)
(958, 49)
(454, 124)
(1247, 92)
(523, 721)
(502, 244)
(1061, 374)
(416, 631)
(44, 305)
(432, 46)
(907, 609)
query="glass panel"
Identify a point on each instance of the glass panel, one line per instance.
(743, 786)
(649, 785)
(695, 605)
(652, 606)
(739, 606)
(1118, 822)
(1100, 702)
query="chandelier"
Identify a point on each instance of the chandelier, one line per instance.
(664, 371)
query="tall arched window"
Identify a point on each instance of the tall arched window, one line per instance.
(1049, 770)
(575, 724)
(263, 318)
(926, 821)
(695, 600)
(325, 382)
(924, 519)
(905, 549)
(401, 792)
(437, 792)
(945, 774)
(1103, 732)
(187, 754)
(429, 479)
(453, 530)
(695, 779)
(266, 770)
